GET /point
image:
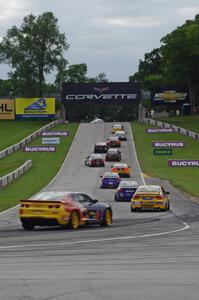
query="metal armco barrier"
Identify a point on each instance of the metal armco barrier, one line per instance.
(183, 131)
(5, 180)
(28, 139)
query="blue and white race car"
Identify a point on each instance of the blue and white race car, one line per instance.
(110, 180)
(126, 190)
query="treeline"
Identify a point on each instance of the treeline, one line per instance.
(107, 112)
(33, 51)
(175, 64)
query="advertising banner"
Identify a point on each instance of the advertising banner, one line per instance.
(163, 144)
(164, 151)
(106, 93)
(55, 133)
(50, 140)
(159, 130)
(170, 96)
(39, 149)
(35, 107)
(7, 109)
(183, 163)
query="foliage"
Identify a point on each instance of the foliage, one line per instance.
(149, 70)
(33, 50)
(101, 77)
(77, 74)
(175, 63)
(78, 113)
(180, 51)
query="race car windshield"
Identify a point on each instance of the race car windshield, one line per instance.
(149, 189)
(128, 185)
(50, 196)
(96, 156)
(112, 151)
(120, 166)
(111, 175)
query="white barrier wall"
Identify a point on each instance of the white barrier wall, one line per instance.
(5, 180)
(183, 131)
(28, 139)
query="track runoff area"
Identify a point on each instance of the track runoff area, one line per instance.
(144, 254)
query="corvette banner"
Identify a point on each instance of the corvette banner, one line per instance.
(35, 107)
(111, 92)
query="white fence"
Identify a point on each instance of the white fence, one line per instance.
(183, 131)
(28, 139)
(5, 180)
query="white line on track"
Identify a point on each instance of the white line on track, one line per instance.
(11, 208)
(185, 227)
(136, 155)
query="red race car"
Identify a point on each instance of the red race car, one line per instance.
(94, 160)
(113, 142)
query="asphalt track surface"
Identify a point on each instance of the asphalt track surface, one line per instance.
(142, 256)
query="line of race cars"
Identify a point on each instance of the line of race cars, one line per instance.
(73, 209)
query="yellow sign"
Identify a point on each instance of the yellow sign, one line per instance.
(170, 96)
(35, 107)
(7, 109)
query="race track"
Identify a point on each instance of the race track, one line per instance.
(142, 256)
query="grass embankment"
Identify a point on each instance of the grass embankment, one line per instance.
(45, 167)
(185, 178)
(12, 132)
(190, 122)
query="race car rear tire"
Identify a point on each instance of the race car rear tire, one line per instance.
(133, 209)
(27, 225)
(165, 208)
(74, 220)
(107, 218)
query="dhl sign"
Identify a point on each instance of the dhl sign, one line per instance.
(7, 109)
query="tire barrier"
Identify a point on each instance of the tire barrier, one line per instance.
(5, 180)
(28, 139)
(177, 129)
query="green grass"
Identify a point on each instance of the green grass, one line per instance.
(190, 122)
(45, 167)
(187, 179)
(11, 132)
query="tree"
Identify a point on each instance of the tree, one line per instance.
(78, 74)
(34, 50)
(75, 73)
(101, 77)
(149, 70)
(180, 51)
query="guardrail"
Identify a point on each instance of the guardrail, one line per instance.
(181, 130)
(28, 139)
(5, 180)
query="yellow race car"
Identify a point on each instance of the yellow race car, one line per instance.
(150, 197)
(117, 127)
(62, 208)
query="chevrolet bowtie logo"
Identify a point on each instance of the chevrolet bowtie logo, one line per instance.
(101, 90)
